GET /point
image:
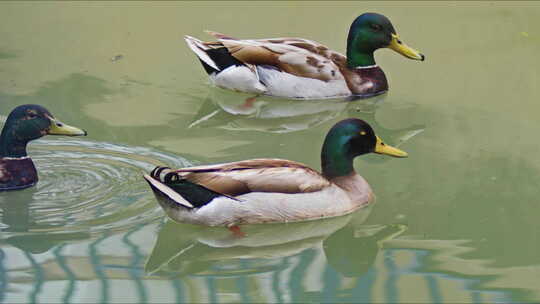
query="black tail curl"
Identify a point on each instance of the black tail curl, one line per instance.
(165, 175)
(196, 194)
(157, 172)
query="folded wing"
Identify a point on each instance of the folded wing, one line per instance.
(257, 175)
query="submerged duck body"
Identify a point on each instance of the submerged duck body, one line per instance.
(273, 190)
(24, 124)
(302, 68)
(17, 173)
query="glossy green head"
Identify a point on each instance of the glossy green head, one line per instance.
(369, 32)
(29, 122)
(346, 140)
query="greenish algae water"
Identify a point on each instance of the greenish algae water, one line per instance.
(457, 221)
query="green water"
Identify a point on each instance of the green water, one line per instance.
(454, 222)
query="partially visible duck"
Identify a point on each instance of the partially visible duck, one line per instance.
(302, 68)
(26, 123)
(273, 190)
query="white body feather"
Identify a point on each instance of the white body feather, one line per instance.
(283, 84)
(238, 78)
(272, 82)
(266, 207)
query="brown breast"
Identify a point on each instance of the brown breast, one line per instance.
(17, 173)
(366, 82)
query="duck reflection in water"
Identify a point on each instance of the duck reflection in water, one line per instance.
(21, 230)
(241, 112)
(350, 247)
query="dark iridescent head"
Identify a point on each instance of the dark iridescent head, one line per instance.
(29, 122)
(346, 140)
(369, 32)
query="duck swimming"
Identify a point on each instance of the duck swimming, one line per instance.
(273, 190)
(302, 68)
(26, 123)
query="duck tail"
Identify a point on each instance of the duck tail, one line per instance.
(173, 191)
(213, 55)
(218, 35)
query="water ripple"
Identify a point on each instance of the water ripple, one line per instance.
(85, 186)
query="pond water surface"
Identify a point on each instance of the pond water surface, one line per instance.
(457, 221)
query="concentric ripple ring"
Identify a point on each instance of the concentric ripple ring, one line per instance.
(85, 186)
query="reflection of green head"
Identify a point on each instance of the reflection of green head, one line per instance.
(29, 122)
(353, 255)
(40, 243)
(369, 32)
(348, 255)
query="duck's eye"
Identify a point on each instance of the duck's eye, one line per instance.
(32, 115)
(376, 27)
(362, 132)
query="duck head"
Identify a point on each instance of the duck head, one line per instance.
(348, 139)
(29, 122)
(369, 32)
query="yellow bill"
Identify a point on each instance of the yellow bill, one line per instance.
(397, 45)
(382, 148)
(59, 128)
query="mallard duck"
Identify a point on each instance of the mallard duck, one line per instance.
(301, 68)
(26, 123)
(273, 190)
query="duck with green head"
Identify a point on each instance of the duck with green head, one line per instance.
(24, 124)
(301, 68)
(273, 190)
